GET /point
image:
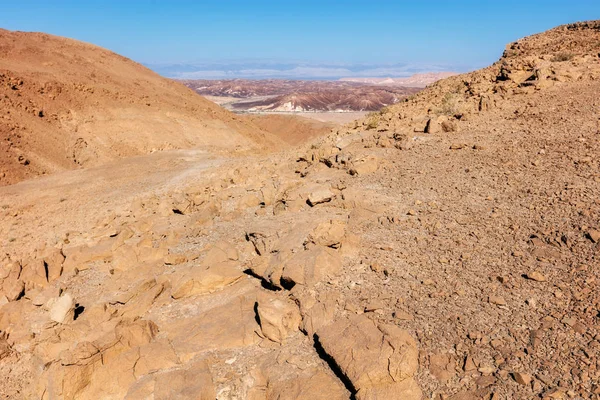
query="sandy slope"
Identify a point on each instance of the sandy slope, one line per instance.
(67, 104)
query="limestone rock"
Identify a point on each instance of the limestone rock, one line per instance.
(522, 378)
(12, 285)
(199, 280)
(329, 234)
(311, 266)
(594, 235)
(314, 384)
(319, 196)
(364, 166)
(442, 366)
(376, 358)
(536, 276)
(194, 382)
(61, 307)
(278, 317)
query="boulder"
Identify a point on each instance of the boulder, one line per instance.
(279, 318)
(319, 196)
(314, 384)
(364, 166)
(311, 266)
(329, 234)
(61, 307)
(379, 360)
(12, 286)
(199, 280)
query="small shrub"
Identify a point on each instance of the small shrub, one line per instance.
(449, 104)
(372, 120)
(563, 56)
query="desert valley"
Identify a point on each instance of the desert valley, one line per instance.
(433, 237)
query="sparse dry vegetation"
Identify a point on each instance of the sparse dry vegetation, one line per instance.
(562, 57)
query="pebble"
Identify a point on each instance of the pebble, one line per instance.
(522, 378)
(594, 235)
(536, 276)
(497, 300)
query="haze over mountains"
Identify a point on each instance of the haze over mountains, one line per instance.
(251, 69)
(444, 247)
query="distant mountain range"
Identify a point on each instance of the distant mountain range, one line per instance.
(280, 95)
(416, 80)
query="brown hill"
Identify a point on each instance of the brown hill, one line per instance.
(66, 104)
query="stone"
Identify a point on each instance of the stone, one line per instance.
(594, 235)
(329, 234)
(441, 366)
(197, 280)
(375, 358)
(61, 307)
(313, 384)
(278, 317)
(432, 126)
(497, 300)
(310, 266)
(469, 364)
(485, 381)
(402, 315)
(536, 276)
(194, 382)
(317, 315)
(319, 196)
(522, 378)
(364, 166)
(228, 326)
(80, 355)
(449, 126)
(12, 286)
(155, 356)
(219, 252)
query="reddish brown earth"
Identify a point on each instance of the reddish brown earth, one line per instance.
(296, 95)
(444, 248)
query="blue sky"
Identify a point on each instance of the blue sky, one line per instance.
(210, 35)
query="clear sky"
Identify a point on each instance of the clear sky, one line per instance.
(469, 34)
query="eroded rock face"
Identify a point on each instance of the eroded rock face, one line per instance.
(379, 360)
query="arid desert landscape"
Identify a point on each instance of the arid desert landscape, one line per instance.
(443, 245)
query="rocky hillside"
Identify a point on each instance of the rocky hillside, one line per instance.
(66, 104)
(446, 248)
(566, 54)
